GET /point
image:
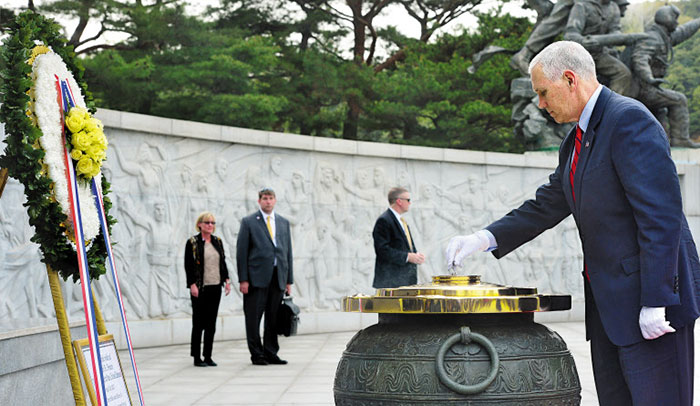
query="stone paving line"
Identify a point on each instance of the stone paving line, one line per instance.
(169, 378)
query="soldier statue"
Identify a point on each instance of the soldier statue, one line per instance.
(547, 28)
(638, 71)
(595, 24)
(551, 21)
(650, 60)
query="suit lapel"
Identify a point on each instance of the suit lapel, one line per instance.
(587, 143)
(398, 227)
(278, 227)
(263, 225)
(582, 160)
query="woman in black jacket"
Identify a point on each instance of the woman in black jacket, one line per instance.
(205, 266)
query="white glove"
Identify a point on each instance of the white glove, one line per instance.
(462, 246)
(653, 323)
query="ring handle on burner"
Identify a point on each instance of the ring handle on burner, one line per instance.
(465, 336)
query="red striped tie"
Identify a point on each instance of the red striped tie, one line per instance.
(574, 162)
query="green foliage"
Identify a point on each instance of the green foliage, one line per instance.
(146, 25)
(119, 83)
(6, 16)
(287, 66)
(313, 84)
(248, 110)
(23, 156)
(224, 84)
(218, 77)
(432, 99)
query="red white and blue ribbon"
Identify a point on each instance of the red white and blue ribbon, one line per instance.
(66, 101)
(108, 244)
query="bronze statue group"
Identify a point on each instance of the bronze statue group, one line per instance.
(638, 70)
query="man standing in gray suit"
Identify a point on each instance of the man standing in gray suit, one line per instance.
(264, 259)
(397, 257)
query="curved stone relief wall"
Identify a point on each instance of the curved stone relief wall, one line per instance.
(331, 200)
(165, 172)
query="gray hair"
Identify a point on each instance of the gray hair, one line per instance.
(564, 55)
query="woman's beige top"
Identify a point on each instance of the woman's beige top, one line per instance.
(212, 276)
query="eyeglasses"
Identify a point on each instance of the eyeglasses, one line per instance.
(209, 222)
(403, 198)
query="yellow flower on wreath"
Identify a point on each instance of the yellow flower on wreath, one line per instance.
(75, 121)
(80, 140)
(96, 153)
(88, 141)
(93, 124)
(36, 51)
(96, 137)
(85, 166)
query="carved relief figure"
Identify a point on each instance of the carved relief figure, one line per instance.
(253, 183)
(163, 282)
(24, 292)
(147, 170)
(329, 192)
(470, 204)
(380, 186)
(429, 217)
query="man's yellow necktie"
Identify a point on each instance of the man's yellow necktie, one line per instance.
(408, 235)
(269, 228)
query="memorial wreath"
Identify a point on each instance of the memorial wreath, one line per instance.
(33, 57)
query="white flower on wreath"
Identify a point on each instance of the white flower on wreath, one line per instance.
(48, 113)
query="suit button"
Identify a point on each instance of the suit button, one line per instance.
(675, 284)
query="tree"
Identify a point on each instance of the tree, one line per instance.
(281, 66)
(306, 74)
(431, 99)
(143, 25)
(216, 76)
(6, 15)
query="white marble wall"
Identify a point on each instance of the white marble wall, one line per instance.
(164, 172)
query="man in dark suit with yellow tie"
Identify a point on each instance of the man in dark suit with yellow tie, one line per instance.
(640, 265)
(397, 257)
(264, 259)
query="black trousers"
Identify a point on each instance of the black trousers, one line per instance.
(256, 302)
(650, 373)
(205, 308)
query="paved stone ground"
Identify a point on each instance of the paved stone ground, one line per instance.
(169, 378)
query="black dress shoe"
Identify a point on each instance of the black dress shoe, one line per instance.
(276, 361)
(199, 363)
(259, 361)
(210, 362)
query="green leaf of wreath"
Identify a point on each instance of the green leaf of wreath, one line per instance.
(23, 157)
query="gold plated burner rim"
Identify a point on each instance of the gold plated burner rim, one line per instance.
(456, 294)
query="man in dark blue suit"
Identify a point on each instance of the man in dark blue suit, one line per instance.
(641, 271)
(264, 259)
(397, 257)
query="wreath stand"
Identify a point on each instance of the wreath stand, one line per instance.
(62, 321)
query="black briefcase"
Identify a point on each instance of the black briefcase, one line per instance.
(287, 317)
